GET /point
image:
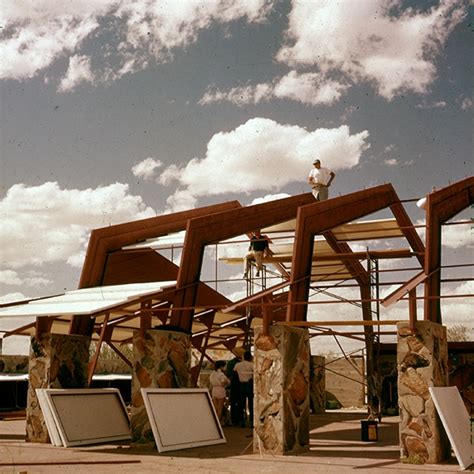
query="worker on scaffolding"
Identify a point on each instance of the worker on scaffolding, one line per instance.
(320, 179)
(258, 248)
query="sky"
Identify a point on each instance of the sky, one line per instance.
(113, 111)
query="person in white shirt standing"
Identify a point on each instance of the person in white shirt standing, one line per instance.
(320, 179)
(244, 370)
(218, 382)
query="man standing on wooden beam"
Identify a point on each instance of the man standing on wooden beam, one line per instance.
(320, 179)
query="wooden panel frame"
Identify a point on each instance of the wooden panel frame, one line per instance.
(65, 427)
(198, 406)
(51, 426)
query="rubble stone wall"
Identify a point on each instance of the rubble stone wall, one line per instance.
(281, 388)
(161, 359)
(56, 361)
(422, 360)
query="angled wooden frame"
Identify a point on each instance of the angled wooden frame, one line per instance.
(441, 206)
(321, 217)
(109, 239)
(205, 230)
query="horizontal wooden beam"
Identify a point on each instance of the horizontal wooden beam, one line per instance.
(255, 297)
(373, 254)
(308, 324)
(352, 333)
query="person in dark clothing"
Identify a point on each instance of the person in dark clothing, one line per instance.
(259, 245)
(244, 371)
(236, 409)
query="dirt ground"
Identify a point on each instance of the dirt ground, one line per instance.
(335, 448)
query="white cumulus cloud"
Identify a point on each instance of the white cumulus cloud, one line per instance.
(146, 168)
(453, 236)
(268, 198)
(79, 71)
(35, 34)
(32, 278)
(12, 297)
(376, 41)
(307, 88)
(261, 155)
(50, 224)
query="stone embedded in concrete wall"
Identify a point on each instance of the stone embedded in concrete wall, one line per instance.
(56, 361)
(318, 384)
(281, 387)
(161, 359)
(422, 360)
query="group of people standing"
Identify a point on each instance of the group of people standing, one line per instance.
(236, 379)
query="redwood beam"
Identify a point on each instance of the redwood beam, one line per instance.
(105, 332)
(143, 266)
(110, 239)
(407, 287)
(354, 267)
(441, 206)
(216, 227)
(266, 314)
(409, 231)
(309, 324)
(250, 299)
(322, 216)
(42, 325)
(145, 318)
(208, 320)
(376, 254)
(412, 309)
(119, 353)
(82, 325)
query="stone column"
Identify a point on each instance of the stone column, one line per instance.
(317, 389)
(422, 360)
(56, 361)
(281, 390)
(161, 359)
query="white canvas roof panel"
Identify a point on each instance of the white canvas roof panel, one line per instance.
(86, 301)
(165, 241)
(367, 230)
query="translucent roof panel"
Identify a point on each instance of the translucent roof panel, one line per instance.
(175, 239)
(86, 301)
(368, 230)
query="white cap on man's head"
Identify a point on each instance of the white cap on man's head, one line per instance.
(316, 161)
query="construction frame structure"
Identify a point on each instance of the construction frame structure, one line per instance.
(310, 249)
